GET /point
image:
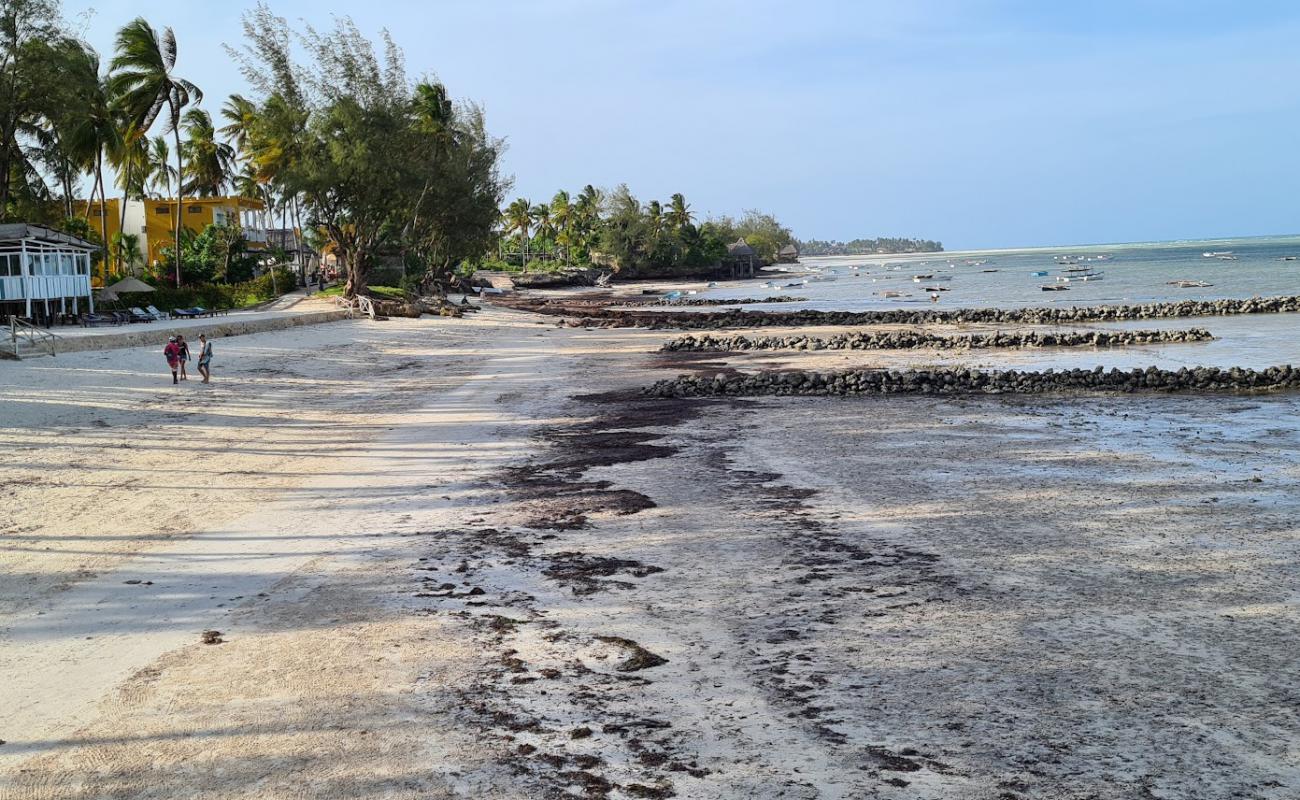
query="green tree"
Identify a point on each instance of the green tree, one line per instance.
(144, 82)
(519, 219)
(27, 70)
(211, 162)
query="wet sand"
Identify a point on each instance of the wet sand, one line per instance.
(465, 559)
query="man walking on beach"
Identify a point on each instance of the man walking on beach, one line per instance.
(205, 358)
(172, 353)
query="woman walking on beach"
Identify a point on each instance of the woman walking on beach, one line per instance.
(173, 355)
(183, 353)
(205, 358)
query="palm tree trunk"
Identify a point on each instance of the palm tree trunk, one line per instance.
(180, 190)
(126, 188)
(297, 245)
(103, 207)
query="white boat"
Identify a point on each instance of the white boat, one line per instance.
(1226, 258)
(1216, 253)
(891, 294)
(1087, 278)
(919, 278)
(1190, 284)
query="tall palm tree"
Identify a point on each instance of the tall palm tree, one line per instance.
(130, 159)
(519, 218)
(679, 213)
(144, 82)
(655, 217)
(161, 172)
(541, 214)
(240, 115)
(211, 162)
(562, 213)
(95, 130)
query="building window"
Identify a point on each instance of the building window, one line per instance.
(161, 210)
(196, 209)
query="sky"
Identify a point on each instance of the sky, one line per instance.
(980, 123)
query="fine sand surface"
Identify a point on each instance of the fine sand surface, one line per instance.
(462, 558)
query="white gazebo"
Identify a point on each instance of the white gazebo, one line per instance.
(43, 271)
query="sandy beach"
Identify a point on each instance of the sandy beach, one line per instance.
(467, 559)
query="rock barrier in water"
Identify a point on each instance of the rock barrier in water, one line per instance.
(968, 382)
(908, 340)
(1022, 316)
(711, 301)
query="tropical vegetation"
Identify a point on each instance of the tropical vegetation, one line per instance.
(817, 247)
(634, 238)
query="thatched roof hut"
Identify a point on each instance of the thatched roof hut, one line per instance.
(740, 249)
(742, 260)
(788, 254)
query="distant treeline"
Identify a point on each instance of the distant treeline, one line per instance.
(857, 247)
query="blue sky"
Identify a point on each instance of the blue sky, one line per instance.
(981, 123)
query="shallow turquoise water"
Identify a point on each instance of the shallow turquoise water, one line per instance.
(1133, 273)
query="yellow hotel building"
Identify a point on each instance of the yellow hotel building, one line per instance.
(154, 221)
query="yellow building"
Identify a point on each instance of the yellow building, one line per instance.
(154, 221)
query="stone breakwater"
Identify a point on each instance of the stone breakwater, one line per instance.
(968, 381)
(907, 340)
(711, 301)
(619, 318)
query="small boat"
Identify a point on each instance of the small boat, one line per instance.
(933, 289)
(1190, 284)
(1054, 288)
(1094, 277)
(989, 270)
(919, 278)
(712, 285)
(1039, 274)
(891, 294)
(1226, 258)
(1216, 253)
(1289, 258)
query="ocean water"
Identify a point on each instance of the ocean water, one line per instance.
(1131, 273)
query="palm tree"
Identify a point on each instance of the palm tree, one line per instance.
(130, 159)
(541, 214)
(161, 172)
(655, 216)
(144, 83)
(562, 212)
(519, 218)
(211, 162)
(95, 129)
(679, 213)
(240, 114)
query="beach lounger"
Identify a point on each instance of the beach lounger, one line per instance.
(187, 313)
(158, 315)
(91, 320)
(139, 315)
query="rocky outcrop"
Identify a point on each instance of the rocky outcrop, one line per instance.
(968, 381)
(908, 340)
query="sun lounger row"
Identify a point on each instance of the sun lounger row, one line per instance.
(146, 314)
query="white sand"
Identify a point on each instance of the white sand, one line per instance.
(902, 598)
